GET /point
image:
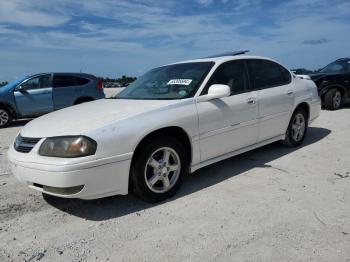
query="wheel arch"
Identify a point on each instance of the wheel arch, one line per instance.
(9, 108)
(172, 131)
(305, 106)
(332, 86)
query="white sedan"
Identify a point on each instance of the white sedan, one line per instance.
(173, 120)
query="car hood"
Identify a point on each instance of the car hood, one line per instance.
(80, 119)
(318, 76)
(3, 89)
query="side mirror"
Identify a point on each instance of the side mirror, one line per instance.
(215, 91)
(21, 88)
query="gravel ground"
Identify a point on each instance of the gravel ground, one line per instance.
(271, 204)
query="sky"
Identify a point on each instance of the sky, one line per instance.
(128, 37)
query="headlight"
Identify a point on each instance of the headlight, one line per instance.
(68, 147)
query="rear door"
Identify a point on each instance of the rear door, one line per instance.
(275, 96)
(67, 89)
(34, 96)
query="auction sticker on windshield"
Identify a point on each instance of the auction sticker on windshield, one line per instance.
(184, 82)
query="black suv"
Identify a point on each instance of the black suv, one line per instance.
(333, 83)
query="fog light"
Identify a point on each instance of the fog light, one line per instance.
(63, 190)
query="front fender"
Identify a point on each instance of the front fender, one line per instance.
(9, 107)
(125, 135)
(7, 100)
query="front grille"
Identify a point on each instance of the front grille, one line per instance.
(25, 144)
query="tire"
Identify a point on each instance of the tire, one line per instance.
(297, 128)
(333, 99)
(152, 178)
(5, 117)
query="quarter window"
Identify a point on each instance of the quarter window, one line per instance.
(233, 74)
(65, 81)
(265, 74)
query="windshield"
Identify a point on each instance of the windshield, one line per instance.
(14, 83)
(337, 67)
(168, 82)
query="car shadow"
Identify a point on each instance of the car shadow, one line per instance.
(19, 123)
(117, 206)
(346, 106)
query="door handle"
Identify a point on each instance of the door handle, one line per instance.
(289, 93)
(251, 100)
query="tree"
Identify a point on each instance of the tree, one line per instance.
(121, 80)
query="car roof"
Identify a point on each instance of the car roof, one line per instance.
(64, 73)
(343, 59)
(225, 58)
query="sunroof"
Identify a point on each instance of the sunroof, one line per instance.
(229, 54)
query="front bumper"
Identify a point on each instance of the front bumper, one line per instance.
(89, 180)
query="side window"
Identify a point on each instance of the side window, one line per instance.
(65, 81)
(286, 75)
(233, 74)
(82, 81)
(43, 81)
(31, 84)
(265, 74)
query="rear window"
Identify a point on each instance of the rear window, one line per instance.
(64, 81)
(265, 74)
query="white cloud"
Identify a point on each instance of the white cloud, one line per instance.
(28, 13)
(5, 30)
(89, 26)
(204, 2)
(150, 34)
(238, 4)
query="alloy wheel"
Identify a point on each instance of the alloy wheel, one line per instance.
(162, 170)
(298, 127)
(4, 117)
(336, 100)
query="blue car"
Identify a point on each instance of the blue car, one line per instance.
(43, 93)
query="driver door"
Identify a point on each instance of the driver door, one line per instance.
(34, 96)
(230, 123)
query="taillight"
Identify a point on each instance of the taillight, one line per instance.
(100, 85)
